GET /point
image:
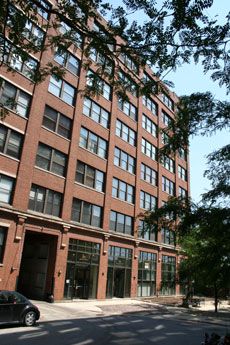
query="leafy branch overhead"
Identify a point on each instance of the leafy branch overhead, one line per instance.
(170, 35)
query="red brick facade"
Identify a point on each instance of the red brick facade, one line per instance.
(17, 220)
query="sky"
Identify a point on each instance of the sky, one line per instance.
(189, 79)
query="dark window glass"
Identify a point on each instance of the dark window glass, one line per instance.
(50, 159)
(10, 142)
(84, 212)
(93, 143)
(3, 234)
(45, 200)
(124, 161)
(121, 223)
(57, 122)
(15, 99)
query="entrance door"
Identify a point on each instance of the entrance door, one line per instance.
(82, 275)
(119, 282)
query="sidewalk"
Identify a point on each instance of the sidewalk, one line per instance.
(122, 306)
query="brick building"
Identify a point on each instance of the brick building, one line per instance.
(75, 172)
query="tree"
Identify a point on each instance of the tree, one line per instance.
(172, 34)
(207, 248)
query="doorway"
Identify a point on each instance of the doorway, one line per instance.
(82, 269)
(37, 265)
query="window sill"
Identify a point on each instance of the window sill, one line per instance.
(50, 172)
(90, 188)
(104, 159)
(59, 135)
(127, 202)
(72, 106)
(7, 156)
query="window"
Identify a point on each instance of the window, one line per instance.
(165, 138)
(182, 154)
(31, 31)
(147, 274)
(168, 163)
(128, 62)
(72, 34)
(123, 191)
(10, 142)
(149, 149)
(166, 119)
(67, 60)
(14, 99)
(125, 133)
(149, 175)
(44, 10)
(6, 188)
(149, 125)
(182, 173)
(121, 223)
(45, 201)
(61, 89)
(3, 234)
(168, 186)
(183, 193)
(124, 161)
(84, 212)
(105, 36)
(101, 60)
(149, 83)
(57, 122)
(93, 80)
(147, 201)
(168, 275)
(128, 83)
(93, 143)
(168, 236)
(96, 112)
(150, 104)
(167, 101)
(128, 108)
(11, 55)
(51, 160)
(146, 232)
(89, 176)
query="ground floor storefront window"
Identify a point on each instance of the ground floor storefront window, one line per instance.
(82, 269)
(168, 275)
(146, 274)
(119, 272)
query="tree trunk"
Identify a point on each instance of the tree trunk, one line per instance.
(216, 297)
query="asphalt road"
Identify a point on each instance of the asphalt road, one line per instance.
(61, 326)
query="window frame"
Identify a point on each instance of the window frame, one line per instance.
(128, 191)
(146, 146)
(153, 175)
(102, 112)
(9, 191)
(58, 119)
(122, 129)
(115, 228)
(119, 159)
(51, 160)
(15, 102)
(95, 180)
(4, 231)
(82, 212)
(6, 142)
(90, 142)
(62, 92)
(46, 193)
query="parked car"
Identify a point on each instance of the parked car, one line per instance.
(15, 307)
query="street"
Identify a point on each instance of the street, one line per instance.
(59, 325)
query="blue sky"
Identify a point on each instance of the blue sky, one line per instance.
(189, 79)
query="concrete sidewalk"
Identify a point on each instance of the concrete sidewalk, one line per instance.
(122, 306)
